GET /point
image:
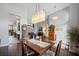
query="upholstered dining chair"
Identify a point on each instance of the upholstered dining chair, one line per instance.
(57, 51)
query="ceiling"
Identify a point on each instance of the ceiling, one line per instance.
(27, 10)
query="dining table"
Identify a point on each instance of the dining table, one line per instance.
(39, 47)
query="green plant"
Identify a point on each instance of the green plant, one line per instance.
(74, 34)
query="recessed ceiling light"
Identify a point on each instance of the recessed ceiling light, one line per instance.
(54, 17)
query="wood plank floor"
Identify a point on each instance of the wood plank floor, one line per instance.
(15, 49)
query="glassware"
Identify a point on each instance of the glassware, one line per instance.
(40, 39)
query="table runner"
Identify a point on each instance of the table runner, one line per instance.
(37, 42)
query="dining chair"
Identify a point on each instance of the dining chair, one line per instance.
(26, 51)
(23, 49)
(57, 51)
(29, 52)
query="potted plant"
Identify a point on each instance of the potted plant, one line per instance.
(74, 39)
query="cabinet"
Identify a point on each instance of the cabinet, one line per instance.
(51, 33)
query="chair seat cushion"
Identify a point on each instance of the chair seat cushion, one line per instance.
(49, 53)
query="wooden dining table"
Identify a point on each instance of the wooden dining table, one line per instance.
(36, 48)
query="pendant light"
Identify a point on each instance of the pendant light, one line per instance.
(39, 15)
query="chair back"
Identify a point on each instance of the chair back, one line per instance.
(23, 49)
(57, 52)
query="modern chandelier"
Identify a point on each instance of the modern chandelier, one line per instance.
(39, 15)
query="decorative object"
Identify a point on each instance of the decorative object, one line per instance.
(74, 39)
(74, 34)
(39, 16)
(24, 28)
(51, 33)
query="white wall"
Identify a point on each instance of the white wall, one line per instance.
(60, 24)
(74, 15)
(4, 31)
(25, 11)
(5, 9)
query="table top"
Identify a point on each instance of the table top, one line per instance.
(36, 48)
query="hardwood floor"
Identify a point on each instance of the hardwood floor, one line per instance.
(12, 49)
(15, 49)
